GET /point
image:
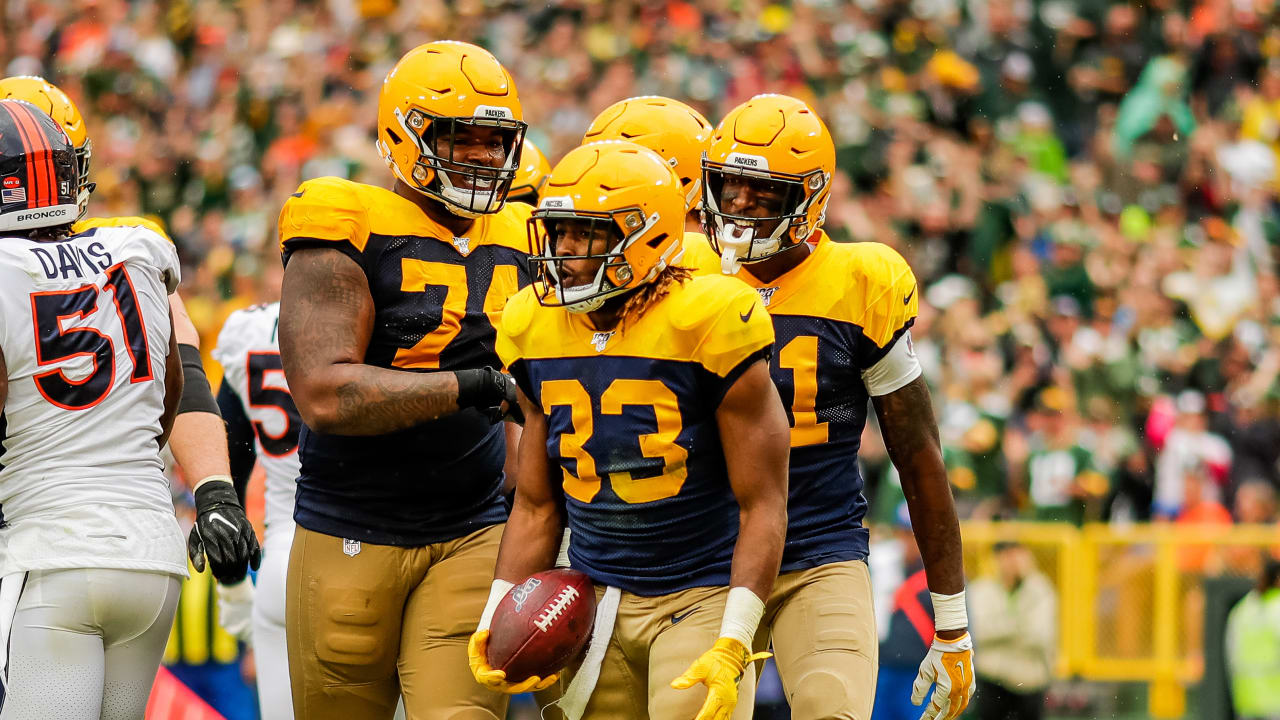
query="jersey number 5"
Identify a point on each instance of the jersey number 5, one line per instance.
(262, 395)
(56, 343)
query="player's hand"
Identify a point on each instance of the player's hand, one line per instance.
(720, 669)
(950, 665)
(222, 534)
(235, 609)
(477, 655)
(491, 392)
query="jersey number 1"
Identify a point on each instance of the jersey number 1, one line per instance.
(55, 343)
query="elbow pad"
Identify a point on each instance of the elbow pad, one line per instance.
(196, 394)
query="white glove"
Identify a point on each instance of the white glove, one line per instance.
(949, 664)
(235, 609)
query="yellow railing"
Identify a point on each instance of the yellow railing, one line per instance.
(1130, 599)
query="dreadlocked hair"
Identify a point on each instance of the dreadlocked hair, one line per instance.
(648, 295)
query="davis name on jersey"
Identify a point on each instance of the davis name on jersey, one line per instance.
(437, 298)
(249, 352)
(85, 337)
(837, 316)
(631, 423)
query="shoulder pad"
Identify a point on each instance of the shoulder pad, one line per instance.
(326, 209)
(698, 256)
(126, 221)
(888, 298)
(517, 317)
(705, 297)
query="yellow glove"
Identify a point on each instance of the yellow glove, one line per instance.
(949, 664)
(477, 655)
(720, 669)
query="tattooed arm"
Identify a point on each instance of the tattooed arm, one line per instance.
(326, 320)
(911, 436)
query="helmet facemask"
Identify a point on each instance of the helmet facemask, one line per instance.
(783, 224)
(83, 154)
(466, 189)
(607, 236)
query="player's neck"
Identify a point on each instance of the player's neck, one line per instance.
(609, 316)
(435, 210)
(766, 271)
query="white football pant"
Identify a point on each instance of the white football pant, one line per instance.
(271, 653)
(83, 644)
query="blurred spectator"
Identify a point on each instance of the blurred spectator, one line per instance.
(1190, 450)
(1253, 648)
(909, 635)
(1014, 618)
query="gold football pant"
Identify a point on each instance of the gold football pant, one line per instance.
(655, 639)
(367, 623)
(824, 640)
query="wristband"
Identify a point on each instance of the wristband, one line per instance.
(497, 591)
(949, 612)
(211, 479)
(742, 613)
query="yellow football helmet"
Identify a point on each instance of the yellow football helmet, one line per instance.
(435, 91)
(49, 98)
(677, 132)
(781, 141)
(620, 187)
(531, 176)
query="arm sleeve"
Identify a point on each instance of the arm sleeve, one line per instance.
(898, 367)
(197, 396)
(325, 212)
(240, 438)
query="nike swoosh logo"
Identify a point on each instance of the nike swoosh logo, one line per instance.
(747, 315)
(297, 194)
(907, 300)
(224, 521)
(677, 618)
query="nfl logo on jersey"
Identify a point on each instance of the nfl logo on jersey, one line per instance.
(600, 339)
(766, 294)
(463, 244)
(350, 548)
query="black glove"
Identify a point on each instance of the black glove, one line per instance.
(223, 534)
(486, 390)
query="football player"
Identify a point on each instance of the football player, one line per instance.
(842, 314)
(677, 132)
(649, 406)
(198, 441)
(262, 427)
(387, 340)
(531, 175)
(91, 555)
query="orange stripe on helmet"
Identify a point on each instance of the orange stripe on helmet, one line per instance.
(45, 172)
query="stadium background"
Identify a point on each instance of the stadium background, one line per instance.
(1087, 190)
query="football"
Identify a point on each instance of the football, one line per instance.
(542, 624)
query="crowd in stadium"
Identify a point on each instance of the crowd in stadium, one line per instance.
(1087, 189)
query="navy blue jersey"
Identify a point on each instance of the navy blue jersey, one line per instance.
(631, 428)
(836, 315)
(437, 299)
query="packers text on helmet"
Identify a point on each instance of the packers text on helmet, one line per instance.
(611, 219)
(450, 126)
(777, 147)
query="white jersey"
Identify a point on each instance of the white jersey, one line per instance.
(250, 356)
(85, 330)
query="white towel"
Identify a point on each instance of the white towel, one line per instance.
(574, 701)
